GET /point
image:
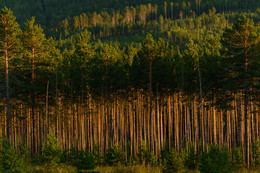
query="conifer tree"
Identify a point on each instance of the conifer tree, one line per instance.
(9, 47)
(149, 52)
(36, 47)
(238, 42)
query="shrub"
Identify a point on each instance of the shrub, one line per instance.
(114, 156)
(25, 155)
(70, 156)
(164, 154)
(191, 159)
(10, 160)
(172, 163)
(79, 159)
(145, 157)
(97, 156)
(255, 149)
(216, 160)
(86, 161)
(51, 151)
(237, 158)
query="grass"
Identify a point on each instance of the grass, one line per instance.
(128, 169)
(62, 168)
(148, 169)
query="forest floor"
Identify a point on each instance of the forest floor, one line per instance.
(147, 169)
(128, 169)
(63, 168)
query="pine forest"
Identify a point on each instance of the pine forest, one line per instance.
(130, 86)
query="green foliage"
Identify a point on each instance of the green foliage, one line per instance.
(114, 156)
(237, 158)
(238, 43)
(79, 159)
(51, 151)
(87, 66)
(49, 14)
(61, 168)
(191, 159)
(98, 159)
(145, 156)
(10, 160)
(24, 156)
(128, 169)
(173, 163)
(164, 154)
(255, 149)
(216, 160)
(10, 33)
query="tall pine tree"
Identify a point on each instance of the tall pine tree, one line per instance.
(9, 47)
(36, 47)
(238, 43)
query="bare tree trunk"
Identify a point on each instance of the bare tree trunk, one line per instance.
(203, 112)
(214, 126)
(172, 9)
(8, 113)
(56, 106)
(196, 125)
(150, 119)
(158, 140)
(47, 109)
(246, 128)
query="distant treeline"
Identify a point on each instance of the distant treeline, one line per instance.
(49, 12)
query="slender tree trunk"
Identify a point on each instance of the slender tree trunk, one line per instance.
(56, 106)
(33, 102)
(172, 10)
(150, 105)
(47, 109)
(196, 124)
(165, 11)
(203, 112)
(246, 128)
(8, 113)
(158, 121)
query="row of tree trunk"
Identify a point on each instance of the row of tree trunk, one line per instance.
(127, 121)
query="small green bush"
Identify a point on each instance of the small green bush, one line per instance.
(12, 161)
(191, 159)
(87, 161)
(216, 160)
(81, 159)
(51, 151)
(237, 158)
(255, 149)
(114, 156)
(146, 157)
(172, 163)
(97, 156)
(164, 154)
(70, 156)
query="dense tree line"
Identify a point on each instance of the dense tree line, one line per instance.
(163, 92)
(129, 26)
(48, 14)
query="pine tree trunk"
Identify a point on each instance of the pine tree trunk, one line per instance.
(158, 140)
(8, 113)
(196, 125)
(246, 127)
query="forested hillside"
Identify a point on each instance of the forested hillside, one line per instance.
(49, 12)
(169, 84)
